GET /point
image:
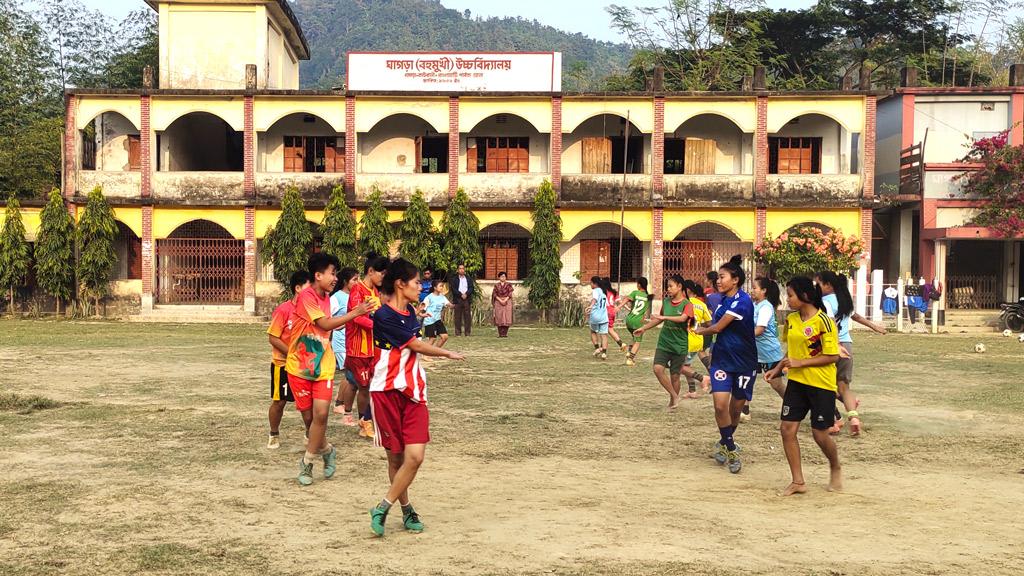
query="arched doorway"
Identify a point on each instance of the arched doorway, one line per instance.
(110, 143)
(701, 248)
(199, 142)
(505, 143)
(599, 146)
(505, 248)
(595, 252)
(200, 263)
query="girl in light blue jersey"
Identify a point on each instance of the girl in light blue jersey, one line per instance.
(766, 296)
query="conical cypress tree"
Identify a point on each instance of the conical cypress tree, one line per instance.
(460, 229)
(97, 231)
(546, 266)
(287, 244)
(55, 249)
(419, 237)
(374, 230)
(339, 230)
(15, 252)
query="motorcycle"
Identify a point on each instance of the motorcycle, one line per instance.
(1012, 316)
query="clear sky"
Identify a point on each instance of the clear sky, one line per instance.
(586, 16)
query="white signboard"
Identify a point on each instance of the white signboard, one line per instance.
(455, 71)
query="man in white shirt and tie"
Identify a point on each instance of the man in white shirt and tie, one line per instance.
(464, 288)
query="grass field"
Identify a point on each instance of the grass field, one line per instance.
(139, 449)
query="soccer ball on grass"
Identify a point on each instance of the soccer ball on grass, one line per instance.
(1020, 338)
(1007, 333)
(979, 348)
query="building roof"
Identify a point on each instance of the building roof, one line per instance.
(281, 10)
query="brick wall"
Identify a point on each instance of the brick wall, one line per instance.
(556, 143)
(250, 255)
(350, 146)
(761, 225)
(148, 255)
(761, 148)
(657, 252)
(866, 228)
(658, 148)
(248, 153)
(146, 147)
(868, 161)
(453, 145)
(70, 150)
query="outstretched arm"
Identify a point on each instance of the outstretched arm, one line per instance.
(715, 328)
(327, 323)
(865, 322)
(420, 347)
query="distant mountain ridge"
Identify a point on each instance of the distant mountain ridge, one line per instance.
(336, 27)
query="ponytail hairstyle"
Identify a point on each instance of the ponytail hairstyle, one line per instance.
(771, 290)
(806, 291)
(400, 269)
(641, 283)
(841, 286)
(678, 280)
(735, 269)
(375, 261)
(606, 285)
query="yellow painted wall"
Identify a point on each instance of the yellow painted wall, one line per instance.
(575, 112)
(369, 111)
(489, 217)
(91, 107)
(165, 220)
(208, 46)
(130, 216)
(165, 110)
(535, 111)
(268, 218)
(743, 113)
(742, 222)
(847, 111)
(267, 110)
(639, 222)
(846, 221)
(29, 218)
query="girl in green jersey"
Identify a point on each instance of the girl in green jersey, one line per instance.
(673, 343)
(638, 302)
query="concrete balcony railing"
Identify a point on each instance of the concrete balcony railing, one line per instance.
(312, 186)
(400, 187)
(501, 188)
(708, 187)
(814, 188)
(605, 188)
(115, 184)
(198, 186)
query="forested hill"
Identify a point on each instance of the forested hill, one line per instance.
(335, 27)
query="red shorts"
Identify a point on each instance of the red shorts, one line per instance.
(361, 369)
(398, 420)
(305, 391)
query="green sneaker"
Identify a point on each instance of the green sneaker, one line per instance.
(330, 462)
(305, 473)
(377, 517)
(734, 461)
(412, 521)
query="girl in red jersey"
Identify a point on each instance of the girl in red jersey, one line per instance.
(398, 391)
(612, 296)
(359, 336)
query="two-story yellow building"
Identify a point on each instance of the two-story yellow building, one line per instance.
(195, 165)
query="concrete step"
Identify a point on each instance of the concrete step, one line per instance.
(198, 314)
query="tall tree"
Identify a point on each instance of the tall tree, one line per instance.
(15, 252)
(374, 230)
(460, 229)
(339, 230)
(287, 245)
(55, 249)
(97, 231)
(419, 244)
(544, 279)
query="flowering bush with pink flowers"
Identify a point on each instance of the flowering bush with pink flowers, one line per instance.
(807, 250)
(999, 181)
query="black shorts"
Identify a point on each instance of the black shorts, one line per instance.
(279, 388)
(767, 367)
(801, 399)
(434, 330)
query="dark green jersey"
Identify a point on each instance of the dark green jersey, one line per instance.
(641, 306)
(674, 335)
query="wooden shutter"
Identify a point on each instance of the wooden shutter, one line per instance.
(471, 155)
(134, 257)
(334, 156)
(293, 154)
(134, 152)
(699, 156)
(419, 154)
(595, 259)
(597, 155)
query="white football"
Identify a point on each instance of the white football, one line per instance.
(979, 348)
(1020, 338)
(1007, 333)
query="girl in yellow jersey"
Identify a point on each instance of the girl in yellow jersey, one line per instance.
(813, 350)
(701, 317)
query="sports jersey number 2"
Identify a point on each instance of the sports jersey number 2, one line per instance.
(743, 381)
(638, 307)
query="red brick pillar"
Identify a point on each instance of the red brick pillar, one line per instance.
(70, 148)
(250, 259)
(556, 143)
(658, 148)
(148, 257)
(868, 160)
(866, 229)
(453, 145)
(761, 149)
(1017, 119)
(350, 146)
(248, 151)
(657, 252)
(146, 147)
